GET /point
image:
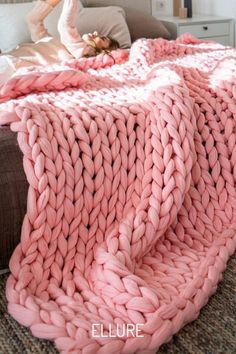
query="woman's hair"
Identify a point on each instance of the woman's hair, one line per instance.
(114, 44)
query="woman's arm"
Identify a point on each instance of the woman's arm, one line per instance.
(69, 34)
(36, 17)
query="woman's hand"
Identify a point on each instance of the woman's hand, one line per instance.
(92, 35)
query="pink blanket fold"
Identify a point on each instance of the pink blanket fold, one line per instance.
(131, 213)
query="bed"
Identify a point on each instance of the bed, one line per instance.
(12, 209)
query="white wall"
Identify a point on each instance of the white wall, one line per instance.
(216, 7)
(210, 7)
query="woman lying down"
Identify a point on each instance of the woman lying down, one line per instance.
(48, 50)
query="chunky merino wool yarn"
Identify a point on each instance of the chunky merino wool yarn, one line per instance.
(131, 213)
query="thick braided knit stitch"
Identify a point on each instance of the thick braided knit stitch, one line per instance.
(131, 212)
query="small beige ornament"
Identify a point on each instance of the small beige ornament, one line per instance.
(176, 7)
(183, 12)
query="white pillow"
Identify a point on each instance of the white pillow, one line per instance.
(108, 21)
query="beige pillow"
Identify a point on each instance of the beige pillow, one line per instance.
(141, 24)
(107, 21)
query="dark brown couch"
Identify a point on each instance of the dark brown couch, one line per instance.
(13, 194)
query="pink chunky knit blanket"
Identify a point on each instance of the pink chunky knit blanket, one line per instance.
(131, 212)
